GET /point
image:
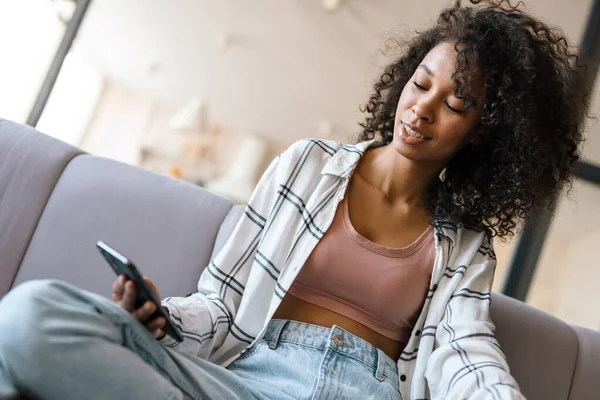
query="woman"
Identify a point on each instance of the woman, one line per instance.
(357, 271)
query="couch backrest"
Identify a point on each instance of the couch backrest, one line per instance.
(57, 202)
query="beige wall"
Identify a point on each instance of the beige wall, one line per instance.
(119, 124)
(127, 119)
(290, 64)
(569, 267)
(579, 274)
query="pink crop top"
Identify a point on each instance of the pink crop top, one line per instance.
(380, 287)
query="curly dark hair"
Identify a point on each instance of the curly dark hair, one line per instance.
(531, 117)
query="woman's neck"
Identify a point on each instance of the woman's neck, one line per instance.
(399, 179)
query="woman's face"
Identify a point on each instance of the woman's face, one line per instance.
(431, 124)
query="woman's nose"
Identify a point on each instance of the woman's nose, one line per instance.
(423, 112)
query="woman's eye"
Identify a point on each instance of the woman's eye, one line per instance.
(418, 86)
(454, 110)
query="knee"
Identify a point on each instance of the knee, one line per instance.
(25, 306)
(31, 294)
(30, 317)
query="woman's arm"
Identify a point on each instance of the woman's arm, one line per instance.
(467, 362)
(205, 318)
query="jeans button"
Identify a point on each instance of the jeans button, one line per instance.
(338, 340)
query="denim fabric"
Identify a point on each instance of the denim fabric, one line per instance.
(306, 361)
(60, 342)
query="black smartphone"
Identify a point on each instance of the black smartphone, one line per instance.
(122, 266)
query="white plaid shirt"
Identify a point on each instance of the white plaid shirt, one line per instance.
(452, 352)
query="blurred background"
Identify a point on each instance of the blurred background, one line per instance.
(209, 91)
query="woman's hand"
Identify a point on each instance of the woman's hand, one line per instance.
(124, 294)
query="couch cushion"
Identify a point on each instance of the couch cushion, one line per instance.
(541, 349)
(30, 165)
(165, 226)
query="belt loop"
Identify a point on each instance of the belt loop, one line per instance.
(380, 365)
(279, 325)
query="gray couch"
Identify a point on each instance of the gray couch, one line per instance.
(56, 202)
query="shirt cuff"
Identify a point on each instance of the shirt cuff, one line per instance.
(167, 340)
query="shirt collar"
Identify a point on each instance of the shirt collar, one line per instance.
(345, 160)
(446, 229)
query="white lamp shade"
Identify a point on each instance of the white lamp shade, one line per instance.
(189, 118)
(239, 181)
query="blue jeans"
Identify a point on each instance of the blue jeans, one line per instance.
(60, 342)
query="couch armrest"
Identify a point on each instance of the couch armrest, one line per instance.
(30, 165)
(541, 350)
(586, 378)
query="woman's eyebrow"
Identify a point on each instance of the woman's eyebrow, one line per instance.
(426, 68)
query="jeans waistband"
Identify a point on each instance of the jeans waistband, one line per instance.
(342, 341)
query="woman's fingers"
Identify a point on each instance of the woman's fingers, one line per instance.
(124, 293)
(118, 288)
(144, 312)
(152, 287)
(155, 325)
(129, 297)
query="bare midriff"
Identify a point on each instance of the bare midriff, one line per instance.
(295, 309)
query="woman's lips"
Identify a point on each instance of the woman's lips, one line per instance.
(411, 139)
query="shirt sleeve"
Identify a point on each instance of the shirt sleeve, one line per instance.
(205, 318)
(467, 362)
